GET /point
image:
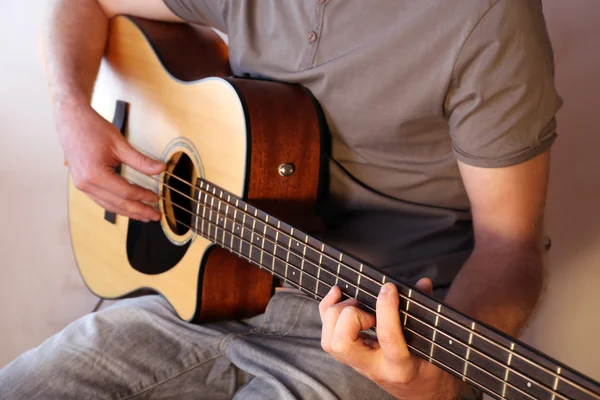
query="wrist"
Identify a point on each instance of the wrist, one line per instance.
(66, 103)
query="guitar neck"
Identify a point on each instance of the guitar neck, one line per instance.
(485, 358)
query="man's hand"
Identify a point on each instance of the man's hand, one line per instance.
(93, 148)
(387, 360)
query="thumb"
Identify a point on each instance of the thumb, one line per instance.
(425, 285)
(138, 161)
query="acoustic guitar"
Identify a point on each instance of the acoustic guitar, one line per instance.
(246, 162)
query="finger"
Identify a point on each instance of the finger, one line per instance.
(346, 343)
(112, 182)
(389, 330)
(330, 320)
(425, 285)
(110, 208)
(130, 208)
(334, 296)
(138, 161)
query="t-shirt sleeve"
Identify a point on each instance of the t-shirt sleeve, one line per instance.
(502, 101)
(211, 13)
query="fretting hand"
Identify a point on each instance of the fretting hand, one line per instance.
(387, 360)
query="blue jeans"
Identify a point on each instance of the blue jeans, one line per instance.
(139, 349)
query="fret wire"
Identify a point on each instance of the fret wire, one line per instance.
(533, 363)
(434, 333)
(275, 248)
(434, 328)
(319, 267)
(555, 386)
(253, 228)
(303, 259)
(512, 347)
(287, 257)
(262, 245)
(219, 212)
(373, 310)
(358, 282)
(408, 303)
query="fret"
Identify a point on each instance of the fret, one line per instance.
(556, 380)
(408, 305)
(262, 245)
(337, 275)
(218, 216)
(468, 350)
(319, 269)
(197, 212)
(358, 281)
(303, 259)
(437, 319)
(510, 355)
(253, 227)
(203, 213)
(274, 247)
(243, 224)
(287, 257)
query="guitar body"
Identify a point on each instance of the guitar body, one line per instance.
(168, 87)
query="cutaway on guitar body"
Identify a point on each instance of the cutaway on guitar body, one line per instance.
(185, 109)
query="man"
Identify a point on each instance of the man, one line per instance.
(442, 117)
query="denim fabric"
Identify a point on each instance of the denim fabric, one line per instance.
(139, 349)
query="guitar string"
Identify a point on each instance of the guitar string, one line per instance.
(434, 329)
(317, 295)
(426, 308)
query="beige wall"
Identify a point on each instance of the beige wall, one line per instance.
(40, 290)
(568, 323)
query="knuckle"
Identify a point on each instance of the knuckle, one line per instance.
(350, 313)
(92, 177)
(340, 348)
(81, 184)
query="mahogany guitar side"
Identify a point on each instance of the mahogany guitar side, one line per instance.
(158, 70)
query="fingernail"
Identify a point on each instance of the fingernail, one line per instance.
(386, 288)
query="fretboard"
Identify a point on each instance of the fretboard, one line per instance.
(485, 358)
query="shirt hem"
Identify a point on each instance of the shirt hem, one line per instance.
(518, 158)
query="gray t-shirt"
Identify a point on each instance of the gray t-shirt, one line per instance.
(407, 87)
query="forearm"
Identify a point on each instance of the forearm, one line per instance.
(75, 33)
(500, 285)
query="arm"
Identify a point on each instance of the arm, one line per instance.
(75, 35)
(500, 284)
(502, 280)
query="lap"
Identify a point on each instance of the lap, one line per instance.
(138, 349)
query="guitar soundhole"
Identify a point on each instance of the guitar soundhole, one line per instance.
(178, 193)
